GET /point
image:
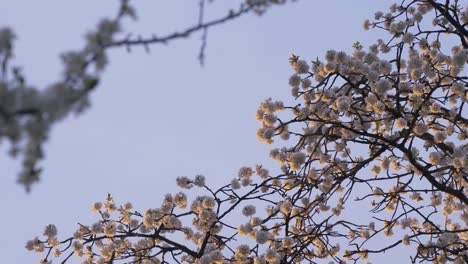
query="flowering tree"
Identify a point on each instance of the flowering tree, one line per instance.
(383, 130)
(27, 113)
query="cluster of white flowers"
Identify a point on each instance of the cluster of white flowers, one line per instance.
(296, 160)
(27, 112)
(260, 6)
(266, 115)
(249, 210)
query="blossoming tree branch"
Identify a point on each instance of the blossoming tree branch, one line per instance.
(381, 129)
(27, 113)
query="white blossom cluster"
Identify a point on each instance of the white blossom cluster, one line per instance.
(27, 113)
(260, 6)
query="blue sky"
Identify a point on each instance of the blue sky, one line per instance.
(159, 115)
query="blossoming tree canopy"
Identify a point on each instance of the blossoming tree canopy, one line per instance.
(382, 129)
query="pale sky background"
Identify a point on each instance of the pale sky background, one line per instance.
(160, 115)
